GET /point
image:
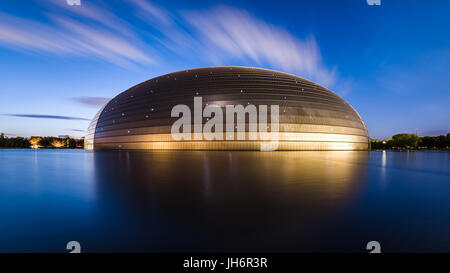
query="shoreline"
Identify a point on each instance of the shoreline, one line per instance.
(370, 150)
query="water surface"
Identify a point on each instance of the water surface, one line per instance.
(178, 201)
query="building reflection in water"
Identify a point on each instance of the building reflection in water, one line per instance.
(223, 201)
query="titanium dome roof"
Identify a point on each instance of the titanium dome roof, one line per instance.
(311, 117)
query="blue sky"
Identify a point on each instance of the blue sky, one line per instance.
(59, 63)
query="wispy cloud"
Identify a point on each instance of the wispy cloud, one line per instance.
(92, 101)
(223, 34)
(217, 36)
(27, 34)
(75, 37)
(104, 44)
(437, 132)
(76, 130)
(151, 12)
(8, 135)
(228, 32)
(44, 116)
(100, 15)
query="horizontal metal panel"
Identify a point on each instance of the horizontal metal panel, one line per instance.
(284, 127)
(200, 136)
(234, 145)
(284, 119)
(305, 107)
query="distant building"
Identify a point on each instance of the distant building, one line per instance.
(34, 141)
(311, 117)
(63, 136)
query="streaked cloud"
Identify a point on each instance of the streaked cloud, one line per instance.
(44, 116)
(65, 35)
(228, 32)
(216, 36)
(100, 15)
(151, 12)
(92, 101)
(27, 34)
(104, 44)
(76, 130)
(437, 132)
(8, 135)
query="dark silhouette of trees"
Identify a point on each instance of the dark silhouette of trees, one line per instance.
(412, 141)
(45, 142)
(428, 141)
(41, 142)
(71, 143)
(376, 144)
(15, 142)
(80, 143)
(409, 141)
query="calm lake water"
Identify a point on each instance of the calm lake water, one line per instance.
(178, 201)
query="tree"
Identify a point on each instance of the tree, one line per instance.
(80, 143)
(71, 143)
(441, 141)
(427, 142)
(405, 140)
(45, 142)
(2, 140)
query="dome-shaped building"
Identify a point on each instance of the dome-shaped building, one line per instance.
(311, 117)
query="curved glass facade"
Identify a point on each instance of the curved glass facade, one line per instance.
(90, 136)
(311, 117)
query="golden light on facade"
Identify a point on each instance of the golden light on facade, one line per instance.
(311, 117)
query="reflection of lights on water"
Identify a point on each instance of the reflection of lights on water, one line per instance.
(206, 176)
(383, 168)
(383, 159)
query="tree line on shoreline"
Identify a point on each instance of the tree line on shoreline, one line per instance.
(40, 142)
(412, 142)
(399, 141)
